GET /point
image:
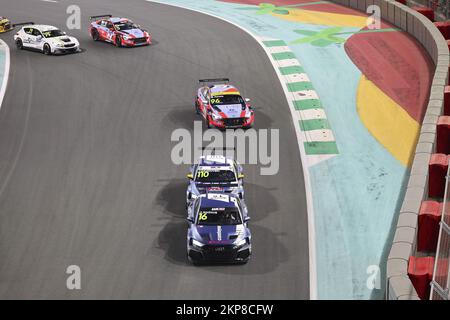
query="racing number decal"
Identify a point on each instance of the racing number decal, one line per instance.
(215, 101)
(202, 216)
(203, 174)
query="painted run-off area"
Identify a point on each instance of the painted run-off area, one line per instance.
(372, 87)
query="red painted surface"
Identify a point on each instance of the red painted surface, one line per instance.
(401, 1)
(420, 271)
(324, 7)
(437, 170)
(427, 12)
(428, 225)
(447, 101)
(443, 135)
(410, 68)
(444, 28)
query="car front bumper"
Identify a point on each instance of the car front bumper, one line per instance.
(233, 123)
(137, 42)
(63, 50)
(219, 253)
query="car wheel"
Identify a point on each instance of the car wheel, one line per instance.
(19, 44)
(197, 107)
(95, 35)
(118, 41)
(47, 51)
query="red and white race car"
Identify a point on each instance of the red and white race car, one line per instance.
(120, 31)
(222, 106)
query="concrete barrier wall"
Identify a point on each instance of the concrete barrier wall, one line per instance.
(399, 286)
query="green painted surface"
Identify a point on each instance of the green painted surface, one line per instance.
(321, 147)
(274, 43)
(283, 55)
(299, 86)
(314, 124)
(291, 70)
(307, 104)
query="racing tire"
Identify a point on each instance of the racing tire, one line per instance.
(118, 41)
(197, 107)
(46, 49)
(19, 44)
(95, 35)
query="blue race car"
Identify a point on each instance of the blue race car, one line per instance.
(218, 231)
(215, 174)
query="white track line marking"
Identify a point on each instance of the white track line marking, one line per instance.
(287, 63)
(278, 49)
(305, 95)
(312, 114)
(4, 46)
(322, 135)
(297, 77)
(300, 139)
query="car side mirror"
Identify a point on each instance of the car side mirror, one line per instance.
(241, 176)
(39, 38)
(246, 219)
(247, 100)
(189, 219)
(190, 176)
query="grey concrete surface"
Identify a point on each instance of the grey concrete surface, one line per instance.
(85, 171)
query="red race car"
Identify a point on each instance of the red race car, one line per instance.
(120, 31)
(222, 106)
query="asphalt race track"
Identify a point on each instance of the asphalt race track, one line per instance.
(85, 171)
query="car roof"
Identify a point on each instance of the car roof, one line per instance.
(223, 89)
(218, 200)
(215, 161)
(41, 27)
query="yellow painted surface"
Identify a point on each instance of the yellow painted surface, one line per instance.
(387, 121)
(325, 18)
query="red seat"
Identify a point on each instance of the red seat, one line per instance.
(428, 228)
(447, 100)
(427, 12)
(443, 27)
(443, 135)
(437, 170)
(420, 271)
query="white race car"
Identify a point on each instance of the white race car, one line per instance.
(47, 39)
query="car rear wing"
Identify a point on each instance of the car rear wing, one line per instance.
(22, 24)
(100, 16)
(221, 80)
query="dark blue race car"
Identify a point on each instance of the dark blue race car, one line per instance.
(218, 231)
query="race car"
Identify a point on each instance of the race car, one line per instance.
(218, 231)
(215, 174)
(222, 106)
(47, 39)
(5, 25)
(120, 31)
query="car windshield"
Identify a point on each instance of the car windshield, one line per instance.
(215, 175)
(121, 26)
(227, 99)
(52, 33)
(219, 216)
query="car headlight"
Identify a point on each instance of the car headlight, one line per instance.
(197, 243)
(126, 37)
(216, 117)
(241, 242)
